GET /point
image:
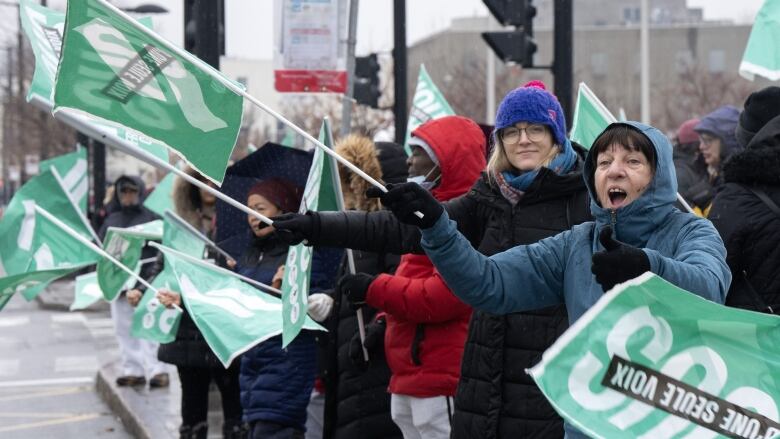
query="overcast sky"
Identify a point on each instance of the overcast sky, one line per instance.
(250, 22)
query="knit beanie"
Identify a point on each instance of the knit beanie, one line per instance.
(686, 133)
(760, 107)
(284, 194)
(532, 103)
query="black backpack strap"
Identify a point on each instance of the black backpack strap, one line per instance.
(765, 198)
(776, 210)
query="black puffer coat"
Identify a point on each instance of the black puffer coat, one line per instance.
(495, 398)
(750, 230)
(357, 404)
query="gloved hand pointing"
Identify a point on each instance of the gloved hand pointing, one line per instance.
(618, 262)
(407, 198)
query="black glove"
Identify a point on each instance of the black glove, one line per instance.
(293, 228)
(375, 340)
(354, 287)
(407, 198)
(618, 262)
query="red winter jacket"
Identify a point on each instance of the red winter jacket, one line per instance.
(426, 323)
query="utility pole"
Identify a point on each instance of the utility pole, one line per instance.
(346, 102)
(562, 59)
(399, 69)
(644, 62)
(7, 125)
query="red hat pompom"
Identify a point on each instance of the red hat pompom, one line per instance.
(536, 83)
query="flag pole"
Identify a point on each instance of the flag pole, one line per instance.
(261, 286)
(96, 249)
(187, 226)
(73, 203)
(79, 122)
(238, 90)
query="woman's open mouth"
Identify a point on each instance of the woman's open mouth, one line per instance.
(617, 197)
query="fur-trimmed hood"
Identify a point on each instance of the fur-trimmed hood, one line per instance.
(360, 151)
(186, 199)
(759, 162)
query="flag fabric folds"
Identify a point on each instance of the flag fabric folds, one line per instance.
(114, 70)
(651, 360)
(125, 245)
(232, 315)
(86, 291)
(591, 117)
(762, 54)
(161, 198)
(319, 194)
(72, 168)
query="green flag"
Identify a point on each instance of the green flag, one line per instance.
(650, 360)
(4, 299)
(232, 315)
(87, 291)
(318, 195)
(72, 168)
(152, 321)
(178, 238)
(44, 28)
(428, 104)
(591, 117)
(18, 225)
(55, 254)
(161, 198)
(124, 245)
(762, 54)
(112, 69)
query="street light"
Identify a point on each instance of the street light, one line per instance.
(147, 9)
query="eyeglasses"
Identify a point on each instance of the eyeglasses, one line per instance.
(534, 132)
(707, 140)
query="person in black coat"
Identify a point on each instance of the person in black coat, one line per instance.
(137, 356)
(495, 398)
(357, 404)
(745, 210)
(196, 364)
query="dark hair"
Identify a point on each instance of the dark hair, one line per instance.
(626, 136)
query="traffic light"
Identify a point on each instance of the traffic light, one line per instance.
(512, 46)
(204, 29)
(366, 89)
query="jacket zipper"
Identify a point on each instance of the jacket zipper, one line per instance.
(613, 221)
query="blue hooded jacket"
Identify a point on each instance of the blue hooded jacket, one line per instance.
(682, 248)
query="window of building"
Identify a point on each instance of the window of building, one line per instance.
(717, 61)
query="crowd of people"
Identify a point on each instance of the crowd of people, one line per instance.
(480, 255)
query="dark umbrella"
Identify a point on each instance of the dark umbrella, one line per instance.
(269, 161)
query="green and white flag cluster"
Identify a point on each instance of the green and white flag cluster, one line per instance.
(428, 104)
(124, 245)
(44, 28)
(591, 117)
(112, 69)
(762, 54)
(650, 360)
(72, 168)
(319, 195)
(153, 321)
(21, 249)
(232, 315)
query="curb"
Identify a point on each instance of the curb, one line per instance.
(126, 403)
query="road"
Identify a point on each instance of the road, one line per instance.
(48, 362)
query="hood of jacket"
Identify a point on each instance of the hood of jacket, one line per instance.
(459, 145)
(186, 199)
(722, 123)
(136, 181)
(634, 223)
(360, 151)
(759, 162)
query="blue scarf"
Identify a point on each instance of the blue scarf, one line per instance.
(561, 164)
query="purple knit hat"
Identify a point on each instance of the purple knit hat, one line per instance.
(532, 103)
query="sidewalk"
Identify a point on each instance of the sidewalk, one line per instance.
(145, 413)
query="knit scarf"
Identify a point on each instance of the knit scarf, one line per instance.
(561, 164)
